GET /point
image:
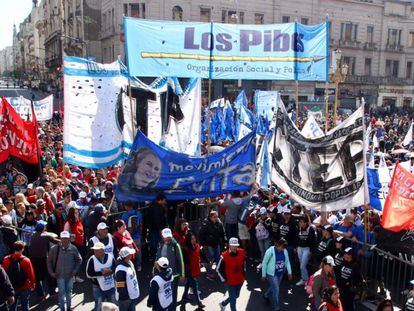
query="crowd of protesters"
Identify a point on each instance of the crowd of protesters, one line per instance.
(67, 224)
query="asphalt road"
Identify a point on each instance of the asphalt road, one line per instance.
(16, 92)
(212, 292)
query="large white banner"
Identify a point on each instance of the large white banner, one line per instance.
(97, 122)
(184, 135)
(43, 108)
(324, 173)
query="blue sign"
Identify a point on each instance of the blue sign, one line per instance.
(290, 51)
(151, 170)
(265, 103)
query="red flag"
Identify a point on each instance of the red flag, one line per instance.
(17, 137)
(398, 213)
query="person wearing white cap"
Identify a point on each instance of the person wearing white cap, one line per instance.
(63, 264)
(323, 278)
(102, 235)
(100, 269)
(231, 269)
(126, 282)
(161, 294)
(170, 249)
(83, 204)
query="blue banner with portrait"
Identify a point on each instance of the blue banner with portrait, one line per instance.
(289, 51)
(152, 170)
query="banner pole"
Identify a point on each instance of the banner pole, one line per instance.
(209, 85)
(208, 114)
(326, 106)
(131, 108)
(366, 193)
(297, 102)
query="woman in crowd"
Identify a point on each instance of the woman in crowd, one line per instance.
(77, 233)
(123, 238)
(331, 301)
(323, 278)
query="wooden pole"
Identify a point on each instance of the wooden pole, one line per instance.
(326, 107)
(297, 102)
(208, 114)
(336, 99)
(131, 108)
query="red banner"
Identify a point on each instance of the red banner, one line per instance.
(398, 213)
(17, 137)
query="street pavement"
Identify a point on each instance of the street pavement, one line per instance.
(212, 292)
(16, 92)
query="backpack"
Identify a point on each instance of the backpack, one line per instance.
(261, 232)
(133, 224)
(16, 273)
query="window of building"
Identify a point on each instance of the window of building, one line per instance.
(205, 15)
(177, 13)
(388, 68)
(370, 34)
(367, 69)
(230, 17)
(134, 10)
(125, 9)
(350, 61)
(304, 21)
(285, 19)
(394, 37)
(259, 18)
(349, 31)
(409, 70)
(411, 39)
(391, 68)
(330, 29)
(395, 65)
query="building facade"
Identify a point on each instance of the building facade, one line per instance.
(376, 38)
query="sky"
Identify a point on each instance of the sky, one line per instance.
(12, 11)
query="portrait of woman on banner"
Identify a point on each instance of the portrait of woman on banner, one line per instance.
(141, 172)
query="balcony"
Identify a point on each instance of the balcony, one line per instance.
(394, 48)
(370, 46)
(349, 44)
(354, 79)
(107, 32)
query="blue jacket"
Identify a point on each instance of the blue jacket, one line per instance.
(268, 264)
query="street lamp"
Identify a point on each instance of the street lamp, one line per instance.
(338, 76)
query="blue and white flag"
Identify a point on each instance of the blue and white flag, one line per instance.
(241, 100)
(374, 186)
(266, 103)
(93, 135)
(229, 123)
(151, 170)
(264, 170)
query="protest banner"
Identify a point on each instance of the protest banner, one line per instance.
(23, 106)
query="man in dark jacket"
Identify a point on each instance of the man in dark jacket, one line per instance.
(57, 219)
(161, 299)
(212, 237)
(6, 290)
(156, 221)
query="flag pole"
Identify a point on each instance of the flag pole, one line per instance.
(131, 107)
(209, 86)
(297, 102)
(366, 193)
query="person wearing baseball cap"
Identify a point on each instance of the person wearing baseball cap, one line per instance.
(103, 236)
(323, 278)
(171, 249)
(63, 264)
(283, 203)
(231, 269)
(349, 279)
(160, 294)
(126, 282)
(100, 269)
(326, 245)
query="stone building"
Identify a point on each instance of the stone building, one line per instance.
(376, 38)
